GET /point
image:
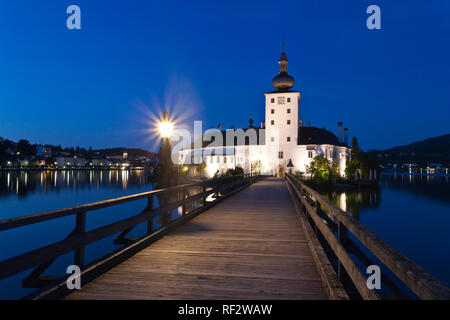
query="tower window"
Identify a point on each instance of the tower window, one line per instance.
(289, 122)
(280, 154)
(272, 111)
(272, 100)
(272, 139)
(331, 154)
(288, 139)
(310, 154)
(289, 110)
(224, 159)
(272, 122)
(288, 100)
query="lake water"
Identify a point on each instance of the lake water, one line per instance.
(411, 213)
(28, 192)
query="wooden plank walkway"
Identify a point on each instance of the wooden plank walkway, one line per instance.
(249, 246)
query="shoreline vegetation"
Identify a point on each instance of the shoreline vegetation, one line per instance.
(362, 171)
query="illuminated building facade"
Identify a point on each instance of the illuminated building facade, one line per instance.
(280, 144)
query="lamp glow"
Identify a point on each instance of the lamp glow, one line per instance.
(165, 129)
(165, 126)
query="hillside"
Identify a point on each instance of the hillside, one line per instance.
(431, 150)
(10, 150)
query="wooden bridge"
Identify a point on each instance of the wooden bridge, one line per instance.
(266, 239)
(239, 249)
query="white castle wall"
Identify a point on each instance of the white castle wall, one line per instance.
(277, 126)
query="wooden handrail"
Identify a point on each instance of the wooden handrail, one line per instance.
(21, 221)
(424, 285)
(76, 241)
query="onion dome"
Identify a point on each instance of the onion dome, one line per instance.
(283, 81)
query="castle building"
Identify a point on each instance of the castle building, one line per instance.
(282, 143)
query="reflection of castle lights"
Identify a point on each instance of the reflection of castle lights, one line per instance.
(343, 201)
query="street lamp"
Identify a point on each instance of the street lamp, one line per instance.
(164, 156)
(165, 126)
(164, 153)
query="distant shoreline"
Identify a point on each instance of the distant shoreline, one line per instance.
(400, 173)
(71, 169)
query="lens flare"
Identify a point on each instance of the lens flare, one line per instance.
(165, 129)
(183, 106)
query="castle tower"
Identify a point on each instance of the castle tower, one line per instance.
(282, 118)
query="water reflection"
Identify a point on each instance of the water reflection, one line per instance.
(354, 201)
(411, 213)
(431, 186)
(23, 183)
(428, 186)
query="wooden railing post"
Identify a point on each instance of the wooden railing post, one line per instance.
(318, 212)
(302, 193)
(80, 227)
(165, 215)
(339, 267)
(150, 221)
(204, 194)
(183, 207)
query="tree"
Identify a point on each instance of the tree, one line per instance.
(256, 167)
(3, 155)
(166, 177)
(167, 171)
(322, 170)
(201, 168)
(25, 148)
(234, 171)
(355, 146)
(361, 162)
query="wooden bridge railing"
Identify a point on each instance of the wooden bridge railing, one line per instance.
(333, 225)
(184, 196)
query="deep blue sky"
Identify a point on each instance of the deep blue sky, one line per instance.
(216, 59)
